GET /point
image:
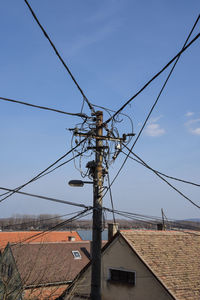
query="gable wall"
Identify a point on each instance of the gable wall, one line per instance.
(10, 286)
(120, 256)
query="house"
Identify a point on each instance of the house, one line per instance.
(144, 265)
(40, 270)
(37, 237)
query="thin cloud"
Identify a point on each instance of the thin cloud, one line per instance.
(102, 15)
(154, 130)
(155, 120)
(189, 114)
(193, 126)
(193, 121)
(195, 131)
(83, 41)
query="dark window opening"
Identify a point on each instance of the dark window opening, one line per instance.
(122, 276)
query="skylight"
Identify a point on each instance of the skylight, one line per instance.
(76, 254)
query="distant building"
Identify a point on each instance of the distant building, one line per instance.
(145, 265)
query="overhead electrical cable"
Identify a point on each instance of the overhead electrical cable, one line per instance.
(111, 198)
(154, 220)
(173, 187)
(38, 220)
(153, 78)
(44, 232)
(37, 176)
(152, 223)
(156, 101)
(64, 163)
(46, 198)
(59, 56)
(108, 110)
(45, 108)
(163, 174)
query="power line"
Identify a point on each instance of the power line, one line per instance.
(45, 108)
(173, 187)
(64, 163)
(59, 56)
(37, 176)
(37, 220)
(44, 232)
(151, 219)
(165, 175)
(154, 77)
(152, 108)
(108, 110)
(111, 198)
(134, 216)
(46, 198)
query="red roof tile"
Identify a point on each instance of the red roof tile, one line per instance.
(25, 237)
(44, 293)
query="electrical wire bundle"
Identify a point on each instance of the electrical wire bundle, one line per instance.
(113, 139)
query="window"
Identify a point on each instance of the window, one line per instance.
(121, 276)
(76, 254)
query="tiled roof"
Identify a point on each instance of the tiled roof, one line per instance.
(23, 236)
(49, 262)
(44, 293)
(173, 256)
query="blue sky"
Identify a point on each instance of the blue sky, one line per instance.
(113, 48)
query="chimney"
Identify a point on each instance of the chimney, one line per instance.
(160, 226)
(71, 239)
(112, 229)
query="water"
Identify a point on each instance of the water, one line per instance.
(86, 235)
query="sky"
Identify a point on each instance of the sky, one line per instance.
(112, 47)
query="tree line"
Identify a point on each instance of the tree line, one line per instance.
(47, 221)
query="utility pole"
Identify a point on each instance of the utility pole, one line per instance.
(97, 172)
(97, 212)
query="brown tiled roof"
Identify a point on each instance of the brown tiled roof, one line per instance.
(173, 257)
(24, 236)
(49, 262)
(44, 293)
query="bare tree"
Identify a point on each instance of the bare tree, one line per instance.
(38, 271)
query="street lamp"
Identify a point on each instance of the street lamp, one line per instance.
(79, 183)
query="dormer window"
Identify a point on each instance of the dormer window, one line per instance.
(76, 254)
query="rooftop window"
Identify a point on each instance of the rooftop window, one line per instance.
(76, 254)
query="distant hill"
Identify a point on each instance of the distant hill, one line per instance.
(193, 220)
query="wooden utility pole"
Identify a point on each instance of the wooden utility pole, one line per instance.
(97, 212)
(97, 172)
